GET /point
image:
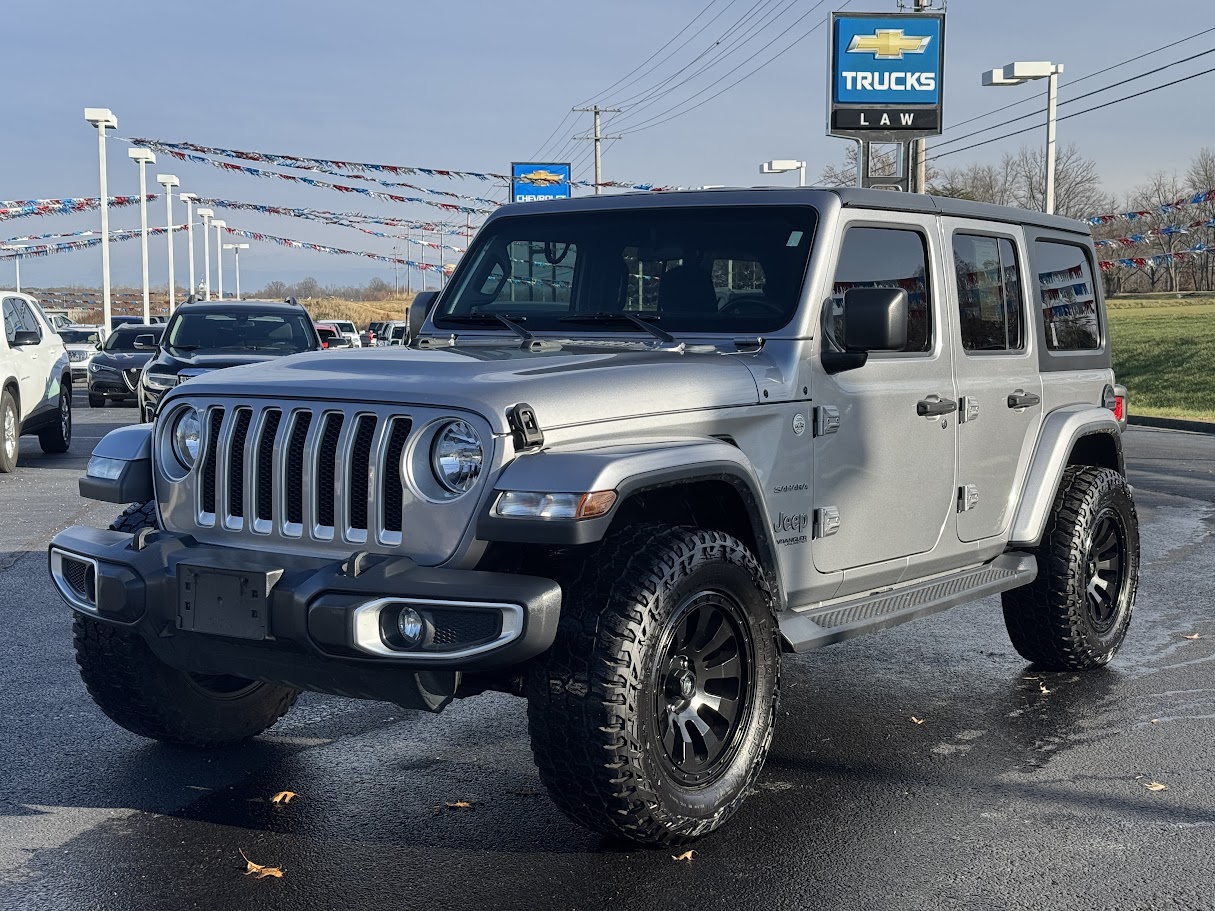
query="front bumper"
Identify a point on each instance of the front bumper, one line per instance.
(315, 624)
(109, 384)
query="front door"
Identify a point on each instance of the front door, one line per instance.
(882, 467)
(31, 372)
(999, 387)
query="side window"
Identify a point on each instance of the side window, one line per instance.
(1067, 295)
(883, 258)
(17, 317)
(989, 293)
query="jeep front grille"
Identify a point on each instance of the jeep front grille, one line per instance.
(322, 474)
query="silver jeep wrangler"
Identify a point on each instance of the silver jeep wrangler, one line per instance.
(642, 446)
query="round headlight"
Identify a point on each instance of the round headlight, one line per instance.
(455, 457)
(187, 434)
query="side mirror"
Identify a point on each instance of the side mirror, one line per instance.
(145, 342)
(23, 337)
(875, 319)
(419, 309)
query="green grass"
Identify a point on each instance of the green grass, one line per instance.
(1164, 353)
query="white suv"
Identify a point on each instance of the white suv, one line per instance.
(35, 381)
(348, 330)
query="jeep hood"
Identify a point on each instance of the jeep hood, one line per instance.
(565, 386)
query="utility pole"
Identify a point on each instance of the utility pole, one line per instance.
(598, 138)
(919, 147)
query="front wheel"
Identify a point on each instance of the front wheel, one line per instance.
(651, 715)
(1075, 614)
(10, 432)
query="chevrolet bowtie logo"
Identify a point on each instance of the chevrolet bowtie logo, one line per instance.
(889, 44)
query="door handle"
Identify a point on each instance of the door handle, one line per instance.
(927, 408)
(1023, 399)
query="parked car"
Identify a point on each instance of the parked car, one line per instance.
(371, 335)
(207, 336)
(330, 337)
(57, 320)
(35, 381)
(597, 482)
(128, 320)
(346, 327)
(82, 342)
(115, 369)
(396, 332)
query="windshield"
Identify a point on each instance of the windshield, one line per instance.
(239, 331)
(725, 269)
(79, 336)
(124, 339)
(344, 326)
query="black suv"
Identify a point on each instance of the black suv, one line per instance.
(205, 336)
(115, 369)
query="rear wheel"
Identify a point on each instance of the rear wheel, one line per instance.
(651, 715)
(1075, 614)
(58, 437)
(10, 432)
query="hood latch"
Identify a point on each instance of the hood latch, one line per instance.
(524, 426)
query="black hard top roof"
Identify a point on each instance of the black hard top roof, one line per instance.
(849, 197)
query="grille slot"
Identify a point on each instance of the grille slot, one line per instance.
(208, 484)
(391, 492)
(81, 578)
(295, 468)
(236, 467)
(326, 469)
(265, 465)
(456, 628)
(360, 470)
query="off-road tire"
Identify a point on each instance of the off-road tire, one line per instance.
(8, 406)
(96, 401)
(148, 697)
(593, 705)
(1049, 621)
(58, 437)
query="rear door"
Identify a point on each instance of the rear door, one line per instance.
(31, 363)
(884, 469)
(999, 386)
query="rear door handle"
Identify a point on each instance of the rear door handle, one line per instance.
(935, 407)
(1023, 399)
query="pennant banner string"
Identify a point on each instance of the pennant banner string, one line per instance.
(1144, 237)
(335, 251)
(1194, 200)
(337, 218)
(20, 208)
(71, 245)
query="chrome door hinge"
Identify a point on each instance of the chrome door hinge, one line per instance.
(968, 497)
(826, 521)
(826, 420)
(969, 410)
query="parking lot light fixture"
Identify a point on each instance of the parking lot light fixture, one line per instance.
(169, 181)
(236, 248)
(783, 166)
(144, 157)
(1019, 73)
(205, 215)
(188, 199)
(103, 119)
(219, 226)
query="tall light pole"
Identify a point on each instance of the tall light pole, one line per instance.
(783, 166)
(1018, 74)
(16, 248)
(219, 226)
(188, 199)
(145, 158)
(236, 248)
(205, 215)
(103, 119)
(408, 255)
(168, 181)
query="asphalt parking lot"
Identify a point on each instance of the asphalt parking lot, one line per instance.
(1019, 789)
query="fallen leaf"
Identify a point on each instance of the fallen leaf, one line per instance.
(1193, 636)
(283, 797)
(1155, 721)
(1156, 786)
(1042, 687)
(260, 871)
(454, 805)
(915, 720)
(686, 855)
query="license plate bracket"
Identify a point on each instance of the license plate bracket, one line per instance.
(225, 600)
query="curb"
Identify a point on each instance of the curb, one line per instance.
(1172, 424)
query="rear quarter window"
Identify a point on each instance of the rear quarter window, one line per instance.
(1067, 295)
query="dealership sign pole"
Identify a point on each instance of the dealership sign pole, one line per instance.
(885, 86)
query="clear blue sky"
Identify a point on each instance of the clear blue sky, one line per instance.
(475, 85)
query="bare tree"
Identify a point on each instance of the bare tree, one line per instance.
(1160, 188)
(1201, 177)
(884, 163)
(1078, 191)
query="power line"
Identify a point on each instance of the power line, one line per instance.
(1107, 69)
(661, 118)
(1078, 113)
(1077, 98)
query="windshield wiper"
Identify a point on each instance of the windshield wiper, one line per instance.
(184, 347)
(483, 319)
(622, 317)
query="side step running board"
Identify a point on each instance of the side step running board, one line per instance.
(814, 627)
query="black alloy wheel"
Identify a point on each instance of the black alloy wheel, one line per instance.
(1103, 570)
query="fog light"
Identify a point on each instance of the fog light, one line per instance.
(411, 626)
